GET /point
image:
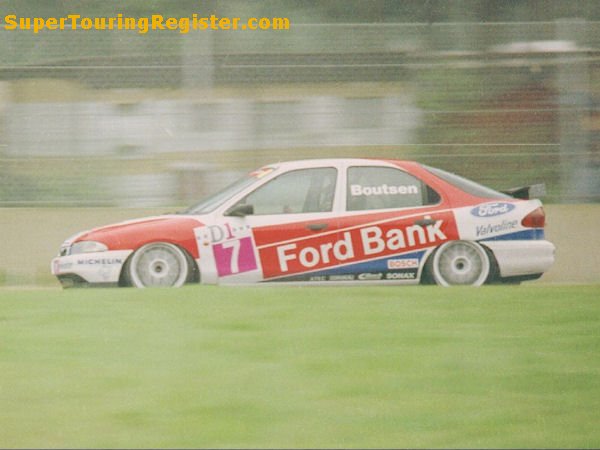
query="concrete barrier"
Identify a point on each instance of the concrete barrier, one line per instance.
(30, 237)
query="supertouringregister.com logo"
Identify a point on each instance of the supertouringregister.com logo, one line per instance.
(142, 25)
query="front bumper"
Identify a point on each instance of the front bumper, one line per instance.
(90, 268)
(519, 258)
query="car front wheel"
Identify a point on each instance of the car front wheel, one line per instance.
(460, 263)
(158, 265)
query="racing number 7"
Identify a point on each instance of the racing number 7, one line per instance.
(234, 265)
(234, 256)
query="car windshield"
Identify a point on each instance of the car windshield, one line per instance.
(470, 187)
(214, 201)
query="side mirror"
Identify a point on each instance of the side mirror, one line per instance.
(240, 210)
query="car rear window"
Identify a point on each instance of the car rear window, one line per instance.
(470, 187)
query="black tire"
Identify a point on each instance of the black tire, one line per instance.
(460, 263)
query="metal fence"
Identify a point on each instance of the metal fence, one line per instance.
(119, 118)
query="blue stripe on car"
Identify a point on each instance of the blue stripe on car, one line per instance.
(525, 235)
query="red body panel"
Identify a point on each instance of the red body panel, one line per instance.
(132, 235)
(279, 233)
(361, 239)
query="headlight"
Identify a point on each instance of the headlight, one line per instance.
(87, 247)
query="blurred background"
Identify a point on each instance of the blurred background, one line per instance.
(506, 92)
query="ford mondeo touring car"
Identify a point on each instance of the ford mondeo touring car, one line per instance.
(324, 221)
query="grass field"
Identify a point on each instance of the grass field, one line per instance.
(301, 367)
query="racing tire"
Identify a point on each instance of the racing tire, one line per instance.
(460, 263)
(158, 264)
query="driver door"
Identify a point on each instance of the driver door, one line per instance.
(292, 218)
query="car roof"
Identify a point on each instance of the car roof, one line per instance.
(319, 162)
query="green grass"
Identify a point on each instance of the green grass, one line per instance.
(301, 367)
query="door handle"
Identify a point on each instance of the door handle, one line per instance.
(317, 226)
(425, 222)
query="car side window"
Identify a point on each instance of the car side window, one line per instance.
(294, 192)
(385, 187)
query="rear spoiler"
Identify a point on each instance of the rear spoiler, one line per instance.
(527, 192)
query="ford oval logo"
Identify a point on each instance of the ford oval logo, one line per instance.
(492, 209)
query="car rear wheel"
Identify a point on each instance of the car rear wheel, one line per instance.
(158, 265)
(460, 263)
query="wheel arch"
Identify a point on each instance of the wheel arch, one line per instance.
(193, 276)
(427, 276)
(494, 275)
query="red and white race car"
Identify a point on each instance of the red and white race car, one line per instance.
(324, 221)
